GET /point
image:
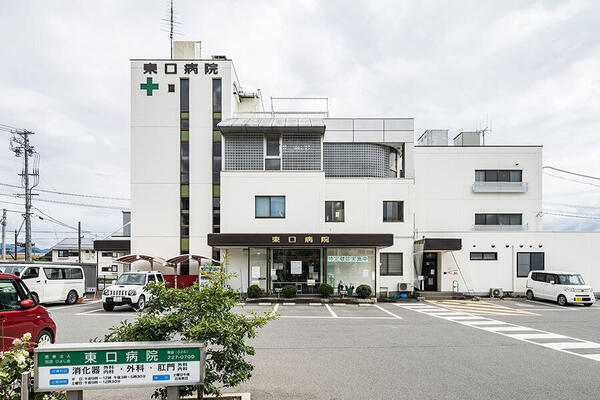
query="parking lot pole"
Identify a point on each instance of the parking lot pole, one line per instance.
(172, 393)
(25, 386)
(74, 394)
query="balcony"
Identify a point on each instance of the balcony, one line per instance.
(500, 187)
(500, 228)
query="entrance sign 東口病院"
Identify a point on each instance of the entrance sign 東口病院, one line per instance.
(84, 366)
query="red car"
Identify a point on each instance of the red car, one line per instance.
(20, 314)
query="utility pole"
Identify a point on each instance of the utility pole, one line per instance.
(16, 251)
(4, 234)
(19, 144)
(79, 240)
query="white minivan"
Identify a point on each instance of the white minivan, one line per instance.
(51, 283)
(562, 287)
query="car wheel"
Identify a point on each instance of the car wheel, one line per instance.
(36, 298)
(141, 304)
(71, 297)
(562, 300)
(108, 307)
(529, 295)
(44, 337)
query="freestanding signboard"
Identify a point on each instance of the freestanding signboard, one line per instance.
(76, 366)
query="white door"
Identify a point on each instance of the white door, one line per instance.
(551, 290)
(34, 282)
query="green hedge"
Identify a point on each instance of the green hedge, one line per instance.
(289, 291)
(363, 291)
(325, 289)
(254, 291)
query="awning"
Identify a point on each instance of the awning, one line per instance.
(113, 245)
(139, 257)
(272, 125)
(439, 244)
(188, 257)
(300, 240)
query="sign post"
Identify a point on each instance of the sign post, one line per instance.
(75, 367)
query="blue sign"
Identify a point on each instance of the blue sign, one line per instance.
(58, 371)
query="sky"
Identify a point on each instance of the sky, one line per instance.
(527, 68)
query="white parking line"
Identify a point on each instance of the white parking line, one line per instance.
(512, 331)
(330, 311)
(539, 303)
(276, 307)
(388, 312)
(73, 305)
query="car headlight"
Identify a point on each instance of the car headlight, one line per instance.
(569, 289)
(106, 292)
(132, 292)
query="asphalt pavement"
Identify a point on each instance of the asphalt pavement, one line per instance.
(432, 350)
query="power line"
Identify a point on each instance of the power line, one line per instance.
(571, 180)
(68, 203)
(571, 215)
(572, 173)
(71, 194)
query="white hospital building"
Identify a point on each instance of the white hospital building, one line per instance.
(296, 196)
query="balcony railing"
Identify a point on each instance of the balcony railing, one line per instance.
(500, 187)
(503, 228)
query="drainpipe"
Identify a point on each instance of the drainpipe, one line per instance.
(514, 272)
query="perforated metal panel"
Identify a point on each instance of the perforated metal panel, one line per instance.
(301, 153)
(244, 153)
(356, 160)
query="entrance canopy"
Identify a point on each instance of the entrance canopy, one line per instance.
(300, 240)
(130, 259)
(439, 244)
(191, 257)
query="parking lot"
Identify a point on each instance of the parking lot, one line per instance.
(433, 350)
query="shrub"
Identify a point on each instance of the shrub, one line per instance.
(289, 291)
(204, 316)
(13, 363)
(254, 291)
(325, 289)
(363, 291)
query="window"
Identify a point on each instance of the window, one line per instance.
(32, 272)
(498, 175)
(107, 254)
(160, 278)
(498, 219)
(73, 273)
(529, 262)
(54, 274)
(171, 88)
(73, 254)
(151, 278)
(270, 207)
(9, 297)
(391, 264)
(334, 211)
(273, 154)
(393, 211)
(63, 253)
(487, 256)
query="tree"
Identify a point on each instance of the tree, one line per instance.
(199, 315)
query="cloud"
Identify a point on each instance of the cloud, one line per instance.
(530, 67)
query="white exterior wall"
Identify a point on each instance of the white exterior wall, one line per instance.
(87, 256)
(563, 251)
(444, 177)
(155, 156)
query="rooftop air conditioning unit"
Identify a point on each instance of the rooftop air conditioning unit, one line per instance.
(496, 292)
(405, 287)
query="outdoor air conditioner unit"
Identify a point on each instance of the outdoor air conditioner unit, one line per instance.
(496, 292)
(405, 287)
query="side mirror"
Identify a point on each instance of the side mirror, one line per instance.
(27, 303)
(552, 282)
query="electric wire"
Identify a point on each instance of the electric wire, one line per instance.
(67, 202)
(571, 215)
(571, 180)
(572, 173)
(70, 194)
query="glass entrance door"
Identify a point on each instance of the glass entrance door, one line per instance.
(300, 267)
(258, 268)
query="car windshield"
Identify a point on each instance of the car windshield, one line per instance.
(131, 279)
(570, 280)
(13, 270)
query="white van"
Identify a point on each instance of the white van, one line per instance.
(562, 287)
(51, 283)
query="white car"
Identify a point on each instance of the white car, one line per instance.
(562, 287)
(49, 283)
(128, 290)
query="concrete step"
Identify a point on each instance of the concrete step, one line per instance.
(441, 295)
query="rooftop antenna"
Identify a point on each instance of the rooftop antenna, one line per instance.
(170, 24)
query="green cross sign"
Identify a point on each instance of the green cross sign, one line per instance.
(149, 86)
